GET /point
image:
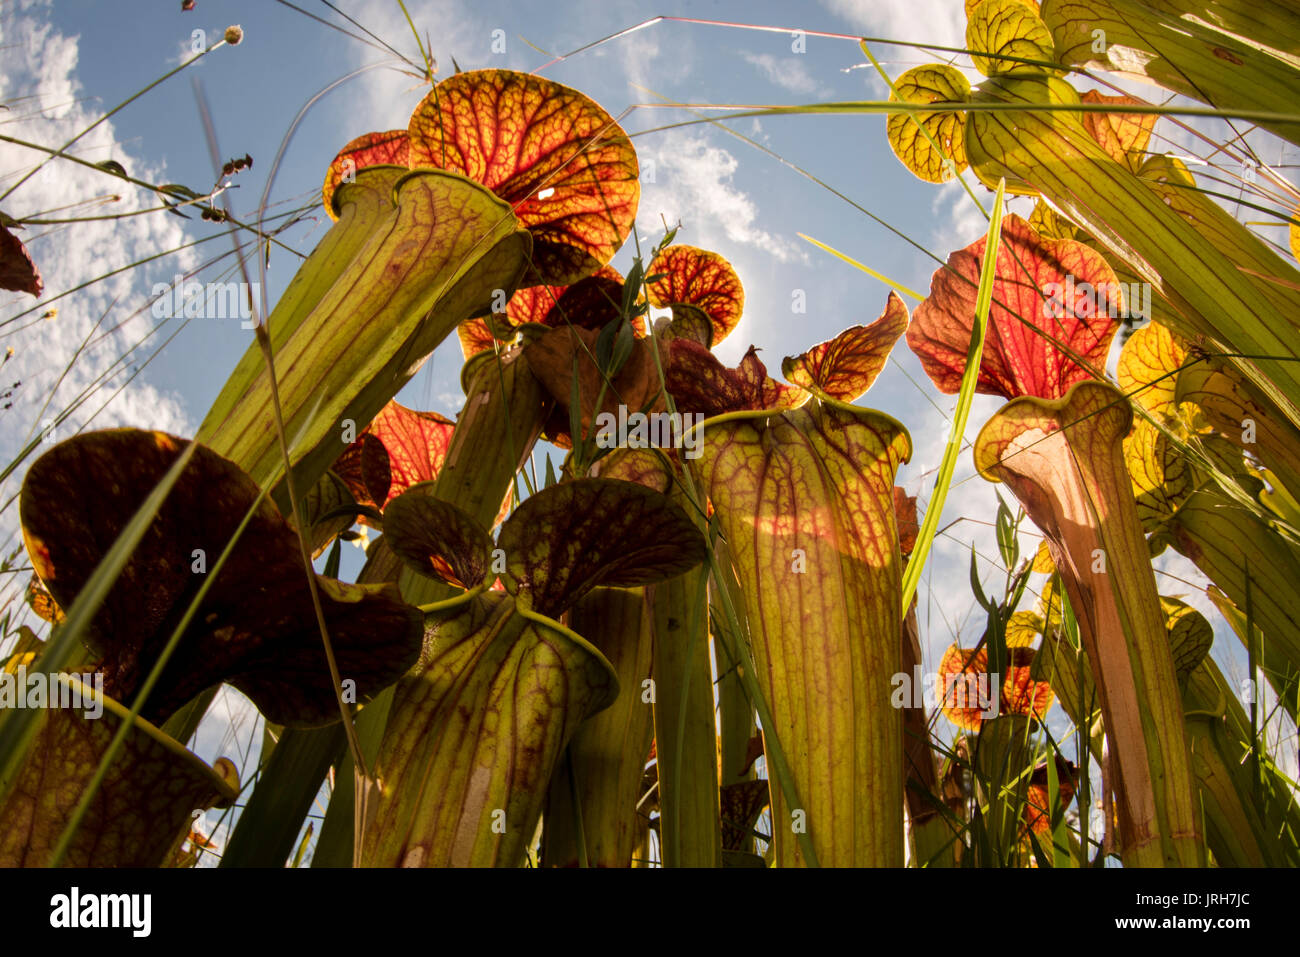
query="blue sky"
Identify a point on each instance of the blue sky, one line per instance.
(728, 196)
(72, 60)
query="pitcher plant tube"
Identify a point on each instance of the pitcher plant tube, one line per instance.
(1058, 444)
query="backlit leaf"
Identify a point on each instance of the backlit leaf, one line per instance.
(1232, 404)
(1063, 459)
(1021, 694)
(905, 516)
(371, 149)
(1042, 563)
(1038, 801)
(965, 688)
(328, 495)
(42, 602)
(932, 83)
(1192, 55)
(568, 170)
(845, 367)
(533, 303)
(1050, 224)
(142, 808)
(1036, 139)
(567, 539)
(698, 280)
(591, 303)
(972, 4)
(17, 271)
(359, 329)
(366, 470)
(416, 443)
(805, 501)
(1190, 636)
(476, 734)
(1058, 287)
(1123, 135)
(1009, 28)
(643, 466)
(1023, 628)
(700, 383)
(1162, 476)
(1148, 366)
(1234, 548)
(475, 336)
(255, 629)
(436, 538)
(608, 752)
(552, 358)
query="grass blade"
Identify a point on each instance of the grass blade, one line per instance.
(898, 286)
(974, 355)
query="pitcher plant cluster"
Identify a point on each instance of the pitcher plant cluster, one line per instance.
(696, 642)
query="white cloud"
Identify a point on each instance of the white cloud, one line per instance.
(385, 97)
(959, 220)
(693, 183)
(199, 38)
(39, 61)
(940, 22)
(789, 73)
(643, 61)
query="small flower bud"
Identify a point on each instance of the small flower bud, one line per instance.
(234, 34)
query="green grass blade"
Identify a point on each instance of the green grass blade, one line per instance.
(974, 355)
(335, 844)
(272, 819)
(897, 286)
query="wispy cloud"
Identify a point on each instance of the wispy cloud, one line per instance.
(958, 220)
(789, 72)
(386, 97)
(200, 37)
(693, 183)
(644, 61)
(40, 62)
(940, 22)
